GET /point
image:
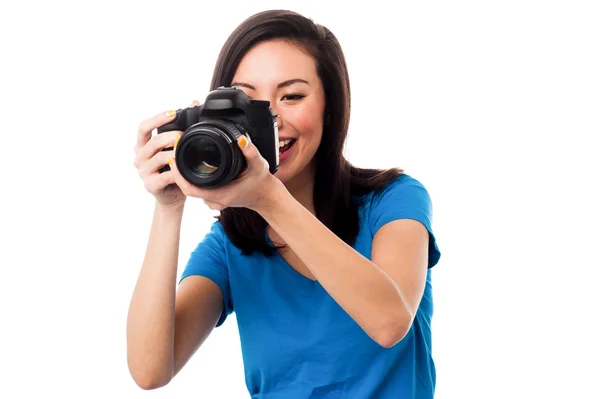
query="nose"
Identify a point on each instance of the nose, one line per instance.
(279, 121)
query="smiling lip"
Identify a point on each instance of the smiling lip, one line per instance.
(284, 156)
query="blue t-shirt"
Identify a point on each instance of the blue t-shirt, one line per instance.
(297, 342)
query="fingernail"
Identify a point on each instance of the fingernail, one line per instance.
(176, 141)
(170, 113)
(243, 142)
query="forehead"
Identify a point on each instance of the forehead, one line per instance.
(274, 61)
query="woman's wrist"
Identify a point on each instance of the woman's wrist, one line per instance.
(274, 193)
(170, 209)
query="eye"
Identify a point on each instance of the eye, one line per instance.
(293, 97)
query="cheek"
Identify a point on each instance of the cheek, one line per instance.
(309, 126)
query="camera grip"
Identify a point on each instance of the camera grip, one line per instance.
(162, 129)
(167, 128)
(165, 168)
(174, 125)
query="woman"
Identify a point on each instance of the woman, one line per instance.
(342, 306)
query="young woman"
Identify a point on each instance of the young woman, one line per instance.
(341, 306)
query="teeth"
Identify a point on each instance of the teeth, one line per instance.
(284, 142)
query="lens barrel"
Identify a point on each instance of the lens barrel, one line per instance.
(207, 154)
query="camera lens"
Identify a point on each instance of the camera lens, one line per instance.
(202, 156)
(208, 153)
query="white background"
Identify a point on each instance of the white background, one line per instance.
(494, 106)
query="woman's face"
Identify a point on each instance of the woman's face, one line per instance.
(286, 76)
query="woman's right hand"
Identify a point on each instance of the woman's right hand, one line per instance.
(150, 157)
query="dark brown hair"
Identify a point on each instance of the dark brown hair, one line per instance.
(338, 184)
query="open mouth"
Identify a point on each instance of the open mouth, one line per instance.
(286, 145)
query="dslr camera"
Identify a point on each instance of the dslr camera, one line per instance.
(207, 153)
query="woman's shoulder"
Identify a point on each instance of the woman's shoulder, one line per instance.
(403, 180)
(403, 196)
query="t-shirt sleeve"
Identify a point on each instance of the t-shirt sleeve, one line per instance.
(209, 260)
(405, 198)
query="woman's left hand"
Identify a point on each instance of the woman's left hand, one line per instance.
(250, 190)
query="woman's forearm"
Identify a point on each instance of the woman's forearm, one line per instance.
(361, 288)
(150, 321)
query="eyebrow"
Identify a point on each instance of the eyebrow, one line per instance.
(279, 86)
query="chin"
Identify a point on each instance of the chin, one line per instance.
(294, 165)
(289, 172)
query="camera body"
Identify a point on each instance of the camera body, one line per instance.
(207, 153)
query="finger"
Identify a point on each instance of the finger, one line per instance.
(185, 186)
(146, 127)
(157, 182)
(158, 143)
(253, 156)
(154, 145)
(153, 164)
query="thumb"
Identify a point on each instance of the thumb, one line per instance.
(250, 151)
